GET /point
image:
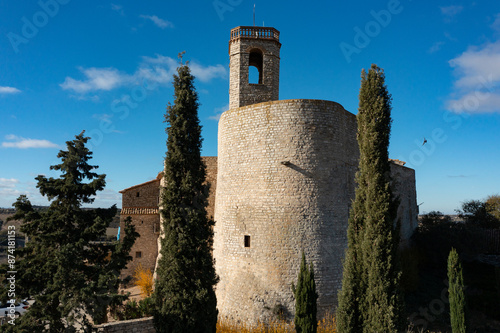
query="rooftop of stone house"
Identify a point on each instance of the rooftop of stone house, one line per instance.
(158, 178)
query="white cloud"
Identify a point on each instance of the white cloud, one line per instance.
(14, 141)
(9, 90)
(450, 12)
(8, 182)
(477, 87)
(95, 79)
(108, 195)
(218, 112)
(151, 71)
(206, 74)
(14, 188)
(161, 23)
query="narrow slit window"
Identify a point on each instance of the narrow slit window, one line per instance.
(247, 241)
(138, 254)
(138, 194)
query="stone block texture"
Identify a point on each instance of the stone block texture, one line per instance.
(211, 180)
(404, 188)
(259, 47)
(285, 185)
(140, 202)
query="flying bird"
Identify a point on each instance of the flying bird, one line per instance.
(425, 141)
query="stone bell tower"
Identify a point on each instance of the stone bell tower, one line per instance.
(258, 47)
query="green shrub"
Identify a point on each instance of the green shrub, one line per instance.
(133, 309)
(456, 292)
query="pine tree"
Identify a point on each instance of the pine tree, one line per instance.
(305, 299)
(184, 293)
(370, 300)
(457, 294)
(64, 265)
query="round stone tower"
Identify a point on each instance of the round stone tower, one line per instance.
(284, 185)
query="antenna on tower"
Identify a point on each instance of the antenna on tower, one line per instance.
(254, 15)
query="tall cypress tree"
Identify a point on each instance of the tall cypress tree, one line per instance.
(370, 300)
(457, 293)
(184, 295)
(305, 299)
(64, 265)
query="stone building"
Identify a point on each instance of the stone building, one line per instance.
(140, 202)
(284, 184)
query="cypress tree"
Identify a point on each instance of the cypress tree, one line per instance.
(456, 293)
(305, 299)
(370, 300)
(184, 295)
(64, 265)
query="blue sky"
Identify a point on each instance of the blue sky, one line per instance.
(106, 67)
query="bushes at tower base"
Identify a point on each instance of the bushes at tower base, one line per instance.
(456, 292)
(133, 309)
(305, 299)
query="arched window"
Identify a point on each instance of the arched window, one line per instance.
(255, 66)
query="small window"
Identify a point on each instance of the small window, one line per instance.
(247, 241)
(256, 61)
(138, 194)
(253, 75)
(138, 254)
(156, 227)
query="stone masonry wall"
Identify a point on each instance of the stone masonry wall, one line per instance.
(142, 195)
(286, 174)
(140, 202)
(211, 179)
(404, 187)
(285, 180)
(241, 92)
(142, 325)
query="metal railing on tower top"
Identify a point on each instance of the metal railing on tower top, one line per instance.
(255, 32)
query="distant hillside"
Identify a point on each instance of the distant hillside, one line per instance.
(13, 210)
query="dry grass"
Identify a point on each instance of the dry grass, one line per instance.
(326, 325)
(226, 326)
(144, 280)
